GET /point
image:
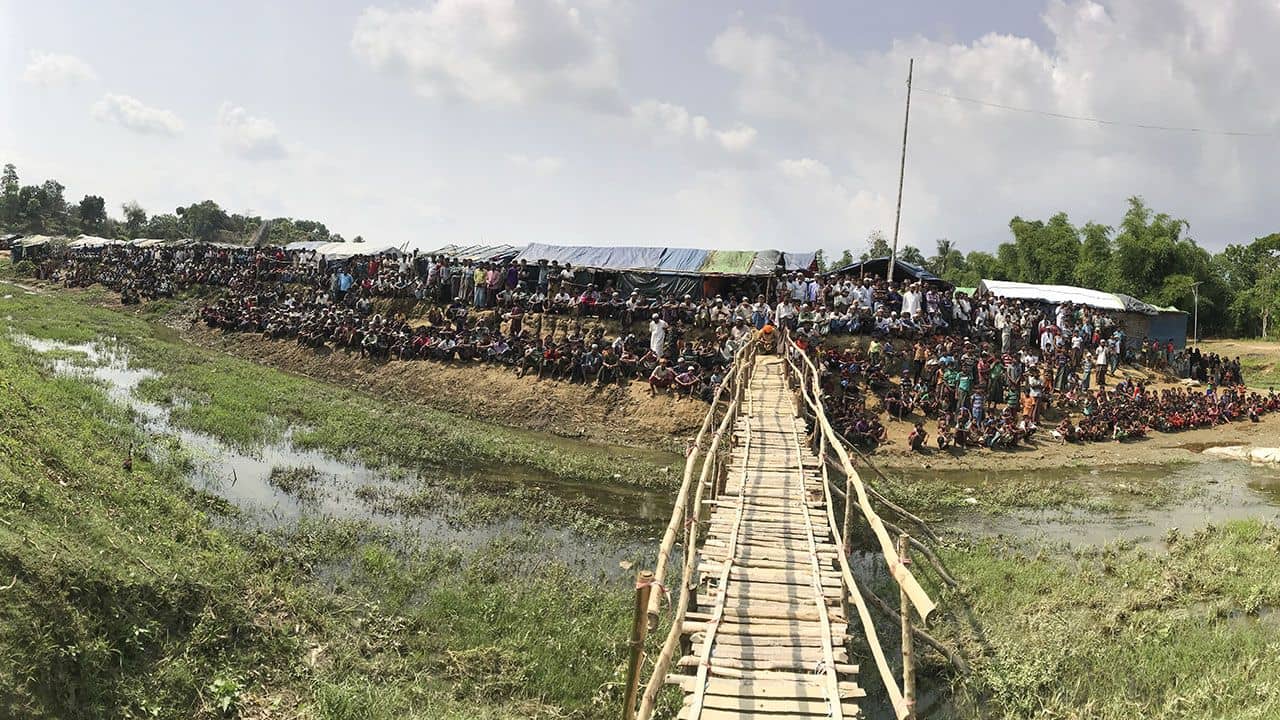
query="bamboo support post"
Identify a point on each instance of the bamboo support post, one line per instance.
(639, 628)
(908, 655)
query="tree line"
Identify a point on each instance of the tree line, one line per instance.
(43, 209)
(1148, 255)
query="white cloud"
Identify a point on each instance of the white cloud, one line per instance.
(804, 169)
(970, 168)
(56, 69)
(250, 137)
(504, 52)
(542, 165)
(131, 114)
(669, 122)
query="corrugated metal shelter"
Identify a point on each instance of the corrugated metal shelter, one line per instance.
(1138, 319)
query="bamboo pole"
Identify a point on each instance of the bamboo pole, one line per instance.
(663, 663)
(919, 598)
(953, 656)
(908, 653)
(639, 628)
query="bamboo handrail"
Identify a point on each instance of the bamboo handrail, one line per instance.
(920, 599)
(661, 666)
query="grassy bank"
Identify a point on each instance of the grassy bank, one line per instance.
(247, 404)
(122, 598)
(1120, 633)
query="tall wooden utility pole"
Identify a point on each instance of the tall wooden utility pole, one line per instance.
(902, 169)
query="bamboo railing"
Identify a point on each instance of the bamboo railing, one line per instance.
(689, 501)
(704, 463)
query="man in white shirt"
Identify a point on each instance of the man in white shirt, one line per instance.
(657, 334)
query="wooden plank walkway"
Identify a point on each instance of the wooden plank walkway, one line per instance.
(767, 635)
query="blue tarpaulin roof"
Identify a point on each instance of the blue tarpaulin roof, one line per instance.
(682, 260)
(668, 261)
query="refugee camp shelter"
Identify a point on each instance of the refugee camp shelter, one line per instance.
(343, 250)
(1137, 318)
(31, 247)
(475, 253)
(879, 267)
(90, 242)
(659, 271)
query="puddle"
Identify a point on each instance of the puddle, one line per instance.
(338, 488)
(1211, 492)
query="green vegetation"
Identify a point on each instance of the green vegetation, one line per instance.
(1148, 255)
(123, 599)
(246, 404)
(43, 209)
(1120, 633)
(1118, 489)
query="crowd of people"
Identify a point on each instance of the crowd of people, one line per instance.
(983, 369)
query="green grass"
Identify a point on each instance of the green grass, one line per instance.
(127, 600)
(1120, 633)
(247, 404)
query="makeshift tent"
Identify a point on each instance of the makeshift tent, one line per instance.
(1137, 318)
(660, 271)
(305, 245)
(86, 242)
(474, 253)
(344, 250)
(879, 267)
(33, 246)
(806, 262)
(1058, 294)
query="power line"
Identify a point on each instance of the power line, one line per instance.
(1099, 121)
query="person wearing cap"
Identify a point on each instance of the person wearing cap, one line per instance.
(658, 334)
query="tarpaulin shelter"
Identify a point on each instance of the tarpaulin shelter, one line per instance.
(879, 267)
(88, 242)
(659, 270)
(344, 250)
(305, 245)
(804, 262)
(32, 246)
(1137, 318)
(474, 253)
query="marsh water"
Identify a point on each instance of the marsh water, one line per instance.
(1197, 491)
(342, 488)
(1202, 490)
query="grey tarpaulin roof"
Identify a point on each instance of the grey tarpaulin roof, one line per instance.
(477, 252)
(880, 266)
(799, 261)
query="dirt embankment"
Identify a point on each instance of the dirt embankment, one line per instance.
(621, 415)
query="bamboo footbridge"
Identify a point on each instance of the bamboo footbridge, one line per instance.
(767, 606)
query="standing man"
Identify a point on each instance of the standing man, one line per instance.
(657, 334)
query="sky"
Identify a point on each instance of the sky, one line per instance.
(743, 125)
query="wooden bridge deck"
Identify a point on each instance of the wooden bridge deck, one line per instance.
(768, 637)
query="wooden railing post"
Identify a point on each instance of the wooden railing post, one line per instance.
(639, 627)
(908, 655)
